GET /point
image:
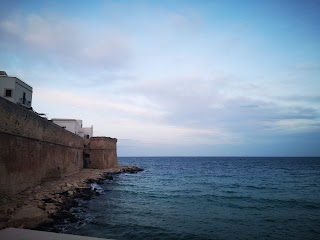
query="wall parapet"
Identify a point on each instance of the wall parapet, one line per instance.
(103, 143)
(20, 121)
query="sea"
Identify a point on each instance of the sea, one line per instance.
(206, 198)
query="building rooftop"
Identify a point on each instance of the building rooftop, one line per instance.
(64, 119)
(4, 74)
(23, 82)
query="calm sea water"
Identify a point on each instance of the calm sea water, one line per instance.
(207, 198)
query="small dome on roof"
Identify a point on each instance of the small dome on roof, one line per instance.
(3, 73)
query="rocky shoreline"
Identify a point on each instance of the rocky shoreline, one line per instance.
(51, 201)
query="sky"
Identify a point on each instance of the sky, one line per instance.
(174, 78)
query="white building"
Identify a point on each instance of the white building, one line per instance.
(87, 132)
(15, 90)
(74, 126)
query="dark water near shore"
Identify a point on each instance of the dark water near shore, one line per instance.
(207, 198)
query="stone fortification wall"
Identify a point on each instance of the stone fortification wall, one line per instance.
(103, 152)
(17, 120)
(33, 149)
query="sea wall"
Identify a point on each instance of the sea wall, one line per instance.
(33, 149)
(103, 152)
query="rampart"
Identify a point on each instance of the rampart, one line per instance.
(103, 152)
(33, 149)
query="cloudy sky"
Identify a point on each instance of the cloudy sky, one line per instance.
(201, 78)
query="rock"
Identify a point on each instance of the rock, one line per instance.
(50, 209)
(3, 225)
(68, 204)
(48, 200)
(90, 180)
(29, 216)
(132, 169)
(70, 193)
(38, 197)
(7, 210)
(66, 193)
(41, 206)
(32, 207)
(49, 221)
(58, 200)
(100, 181)
(3, 201)
(62, 215)
(4, 219)
(108, 176)
(84, 193)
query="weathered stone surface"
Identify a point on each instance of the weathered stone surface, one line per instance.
(29, 211)
(3, 224)
(29, 217)
(3, 200)
(41, 206)
(103, 153)
(108, 176)
(45, 150)
(132, 169)
(50, 208)
(7, 209)
(3, 218)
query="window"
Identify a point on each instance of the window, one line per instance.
(8, 93)
(24, 98)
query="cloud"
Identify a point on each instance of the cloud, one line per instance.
(149, 132)
(169, 77)
(138, 120)
(294, 126)
(222, 102)
(112, 49)
(66, 42)
(96, 103)
(45, 34)
(301, 98)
